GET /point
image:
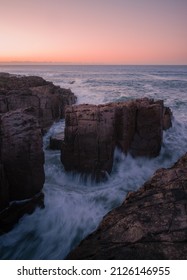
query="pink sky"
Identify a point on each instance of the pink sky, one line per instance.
(94, 31)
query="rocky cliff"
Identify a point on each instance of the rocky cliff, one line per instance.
(46, 100)
(21, 166)
(150, 224)
(92, 132)
(28, 107)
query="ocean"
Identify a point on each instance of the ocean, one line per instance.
(74, 207)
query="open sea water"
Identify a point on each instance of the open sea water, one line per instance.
(73, 207)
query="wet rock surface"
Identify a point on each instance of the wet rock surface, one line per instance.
(92, 132)
(150, 224)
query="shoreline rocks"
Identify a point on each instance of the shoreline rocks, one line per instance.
(92, 132)
(28, 107)
(47, 101)
(21, 153)
(150, 224)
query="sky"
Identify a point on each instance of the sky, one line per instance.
(94, 31)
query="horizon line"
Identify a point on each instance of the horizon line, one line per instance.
(48, 63)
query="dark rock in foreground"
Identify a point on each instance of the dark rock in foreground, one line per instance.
(46, 100)
(150, 224)
(92, 132)
(11, 215)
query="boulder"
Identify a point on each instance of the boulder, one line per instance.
(56, 141)
(150, 224)
(47, 100)
(22, 155)
(92, 132)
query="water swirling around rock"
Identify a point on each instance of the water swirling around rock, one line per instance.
(74, 207)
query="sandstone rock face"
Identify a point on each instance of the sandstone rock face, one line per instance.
(47, 101)
(89, 138)
(148, 128)
(22, 156)
(92, 132)
(150, 224)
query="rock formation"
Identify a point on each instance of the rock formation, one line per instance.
(150, 224)
(28, 107)
(89, 138)
(46, 100)
(56, 141)
(92, 132)
(21, 154)
(21, 164)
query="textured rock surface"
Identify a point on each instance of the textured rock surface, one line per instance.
(150, 224)
(21, 154)
(92, 132)
(89, 138)
(47, 101)
(147, 138)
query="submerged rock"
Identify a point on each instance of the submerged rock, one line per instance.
(47, 100)
(92, 132)
(150, 224)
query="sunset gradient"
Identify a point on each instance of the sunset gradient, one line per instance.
(94, 31)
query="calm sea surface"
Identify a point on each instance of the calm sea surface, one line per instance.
(73, 207)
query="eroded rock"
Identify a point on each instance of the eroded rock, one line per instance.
(92, 132)
(47, 100)
(150, 224)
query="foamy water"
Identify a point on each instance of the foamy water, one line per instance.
(75, 206)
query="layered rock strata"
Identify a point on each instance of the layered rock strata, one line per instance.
(21, 154)
(46, 100)
(150, 224)
(92, 132)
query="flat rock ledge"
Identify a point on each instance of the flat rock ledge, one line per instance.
(150, 224)
(92, 133)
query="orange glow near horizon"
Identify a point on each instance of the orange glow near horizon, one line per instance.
(94, 32)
